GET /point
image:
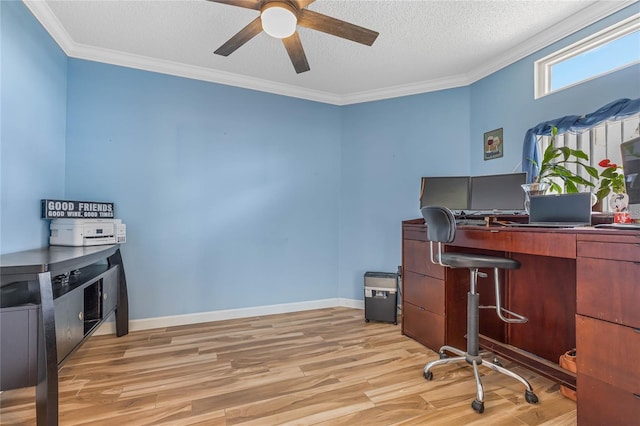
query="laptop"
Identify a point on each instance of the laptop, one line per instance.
(559, 210)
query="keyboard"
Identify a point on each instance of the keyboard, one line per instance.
(471, 222)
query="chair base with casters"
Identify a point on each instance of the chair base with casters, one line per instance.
(441, 229)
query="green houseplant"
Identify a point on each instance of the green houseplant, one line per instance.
(553, 173)
(611, 179)
(553, 169)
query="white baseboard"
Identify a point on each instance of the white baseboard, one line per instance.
(226, 314)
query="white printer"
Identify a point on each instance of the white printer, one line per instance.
(87, 232)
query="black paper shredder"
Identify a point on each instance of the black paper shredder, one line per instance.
(380, 296)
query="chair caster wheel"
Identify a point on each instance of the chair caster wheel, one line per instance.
(478, 406)
(428, 375)
(530, 397)
(497, 362)
(366, 320)
(443, 355)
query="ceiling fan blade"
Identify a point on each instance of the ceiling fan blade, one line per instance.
(248, 4)
(296, 53)
(303, 3)
(244, 35)
(317, 21)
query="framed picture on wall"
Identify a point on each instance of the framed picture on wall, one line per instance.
(493, 144)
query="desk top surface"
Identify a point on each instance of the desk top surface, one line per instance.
(550, 242)
(593, 230)
(52, 258)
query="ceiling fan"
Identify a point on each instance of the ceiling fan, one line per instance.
(279, 19)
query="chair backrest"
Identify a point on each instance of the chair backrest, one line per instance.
(441, 224)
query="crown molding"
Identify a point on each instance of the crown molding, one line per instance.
(197, 73)
(406, 90)
(578, 21)
(50, 22)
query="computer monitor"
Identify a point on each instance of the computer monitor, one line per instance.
(630, 151)
(501, 193)
(445, 191)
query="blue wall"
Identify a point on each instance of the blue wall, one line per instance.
(387, 146)
(230, 196)
(32, 145)
(235, 198)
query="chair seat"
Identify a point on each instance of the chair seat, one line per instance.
(466, 260)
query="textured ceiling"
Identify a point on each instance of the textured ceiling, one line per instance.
(423, 45)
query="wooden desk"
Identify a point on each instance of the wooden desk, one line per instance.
(44, 322)
(578, 287)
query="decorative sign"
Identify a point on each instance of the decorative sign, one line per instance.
(63, 209)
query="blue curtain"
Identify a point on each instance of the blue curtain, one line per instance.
(571, 123)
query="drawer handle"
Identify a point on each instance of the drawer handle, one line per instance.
(104, 296)
(636, 395)
(637, 330)
(81, 316)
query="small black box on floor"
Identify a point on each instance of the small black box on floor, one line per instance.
(380, 296)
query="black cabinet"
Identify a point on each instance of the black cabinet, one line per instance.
(51, 300)
(82, 304)
(18, 344)
(110, 291)
(69, 323)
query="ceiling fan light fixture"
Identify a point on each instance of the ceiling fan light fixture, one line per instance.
(279, 20)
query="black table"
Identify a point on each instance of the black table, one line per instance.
(28, 279)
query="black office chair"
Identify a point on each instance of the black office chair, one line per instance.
(441, 228)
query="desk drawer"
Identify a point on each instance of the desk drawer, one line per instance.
(615, 251)
(602, 404)
(423, 326)
(540, 243)
(608, 290)
(416, 259)
(608, 352)
(489, 239)
(414, 232)
(425, 292)
(550, 243)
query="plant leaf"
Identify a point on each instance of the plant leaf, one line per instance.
(566, 152)
(555, 188)
(580, 180)
(603, 192)
(549, 154)
(562, 171)
(579, 154)
(593, 172)
(570, 186)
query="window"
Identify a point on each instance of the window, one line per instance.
(609, 50)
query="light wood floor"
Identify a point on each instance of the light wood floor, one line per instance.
(321, 367)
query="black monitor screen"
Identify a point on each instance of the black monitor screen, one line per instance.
(498, 192)
(445, 191)
(631, 167)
